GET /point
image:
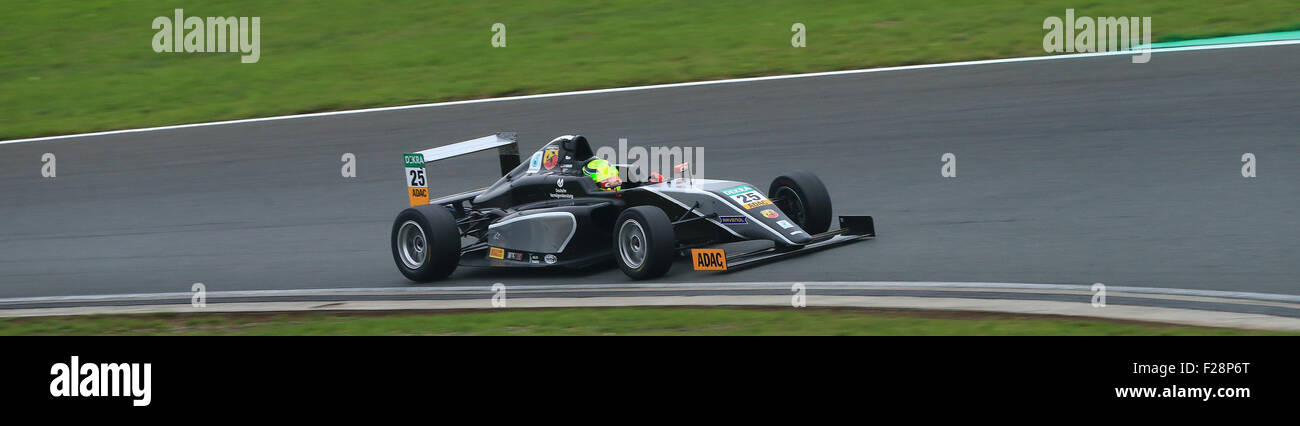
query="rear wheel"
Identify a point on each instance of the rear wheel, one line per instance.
(426, 243)
(803, 198)
(644, 242)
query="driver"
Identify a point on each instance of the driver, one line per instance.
(605, 175)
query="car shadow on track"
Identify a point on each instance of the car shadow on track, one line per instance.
(605, 272)
(524, 274)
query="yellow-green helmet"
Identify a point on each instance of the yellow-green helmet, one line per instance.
(605, 174)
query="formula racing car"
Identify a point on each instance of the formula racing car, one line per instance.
(547, 213)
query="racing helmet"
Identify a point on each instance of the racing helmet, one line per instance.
(605, 174)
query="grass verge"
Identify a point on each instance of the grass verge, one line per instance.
(604, 321)
(87, 65)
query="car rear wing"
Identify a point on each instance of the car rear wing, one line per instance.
(507, 145)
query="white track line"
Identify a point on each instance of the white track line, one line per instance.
(845, 284)
(662, 86)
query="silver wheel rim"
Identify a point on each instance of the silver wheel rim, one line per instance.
(792, 205)
(631, 244)
(412, 246)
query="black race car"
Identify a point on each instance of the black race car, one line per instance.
(546, 212)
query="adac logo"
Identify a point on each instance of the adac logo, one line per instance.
(551, 158)
(709, 259)
(770, 214)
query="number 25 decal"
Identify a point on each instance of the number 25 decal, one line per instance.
(747, 197)
(417, 177)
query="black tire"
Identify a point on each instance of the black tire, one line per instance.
(803, 198)
(658, 249)
(436, 228)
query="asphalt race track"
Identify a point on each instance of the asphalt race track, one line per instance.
(1068, 171)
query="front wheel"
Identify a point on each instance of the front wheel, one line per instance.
(644, 242)
(803, 197)
(426, 243)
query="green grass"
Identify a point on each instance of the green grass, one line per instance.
(601, 321)
(86, 65)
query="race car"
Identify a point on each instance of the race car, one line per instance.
(547, 212)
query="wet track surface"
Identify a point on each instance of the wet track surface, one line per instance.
(1068, 171)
